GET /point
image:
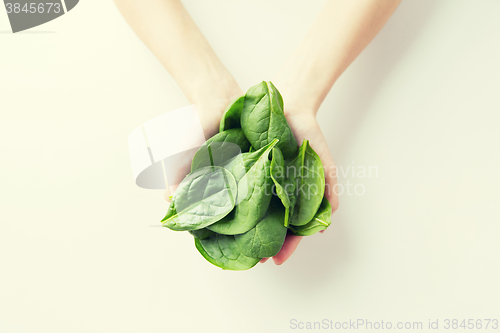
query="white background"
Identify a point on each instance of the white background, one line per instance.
(80, 250)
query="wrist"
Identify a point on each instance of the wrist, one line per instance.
(302, 90)
(211, 95)
(304, 85)
(214, 83)
(297, 102)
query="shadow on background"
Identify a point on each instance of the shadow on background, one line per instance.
(322, 257)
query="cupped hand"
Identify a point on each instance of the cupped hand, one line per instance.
(305, 127)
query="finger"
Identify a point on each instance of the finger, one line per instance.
(172, 188)
(331, 187)
(331, 190)
(263, 260)
(176, 168)
(166, 195)
(291, 243)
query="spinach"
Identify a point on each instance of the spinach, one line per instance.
(222, 251)
(277, 172)
(202, 198)
(267, 237)
(227, 202)
(171, 211)
(263, 119)
(251, 171)
(322, 219)
(232, 115)
(201, 233)
(306, 167)
(220, 148)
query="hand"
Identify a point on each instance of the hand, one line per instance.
(210, 110)
(305, 126)
(341, 31)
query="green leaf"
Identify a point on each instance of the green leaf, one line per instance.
(306, 167)
(201, 233)
(278, 176)
(321, 221)
(223, 252)
(220, 148)
(267, 237)
(251, 171)
(171, 209)
(202, 198)
(232, 115)
(263, 119)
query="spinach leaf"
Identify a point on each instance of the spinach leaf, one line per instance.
(251, 171)
(171, 211)
(223, 252)
(308, 170)
(267, 237)
(220, 148)
(277, 172)
(321, 221)
(232, 115)
(201, 233)
(202, 198)
(263, 120)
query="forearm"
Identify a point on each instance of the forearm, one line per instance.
(341, 31)
(170, 33)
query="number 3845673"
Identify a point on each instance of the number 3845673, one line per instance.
(33, 8)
